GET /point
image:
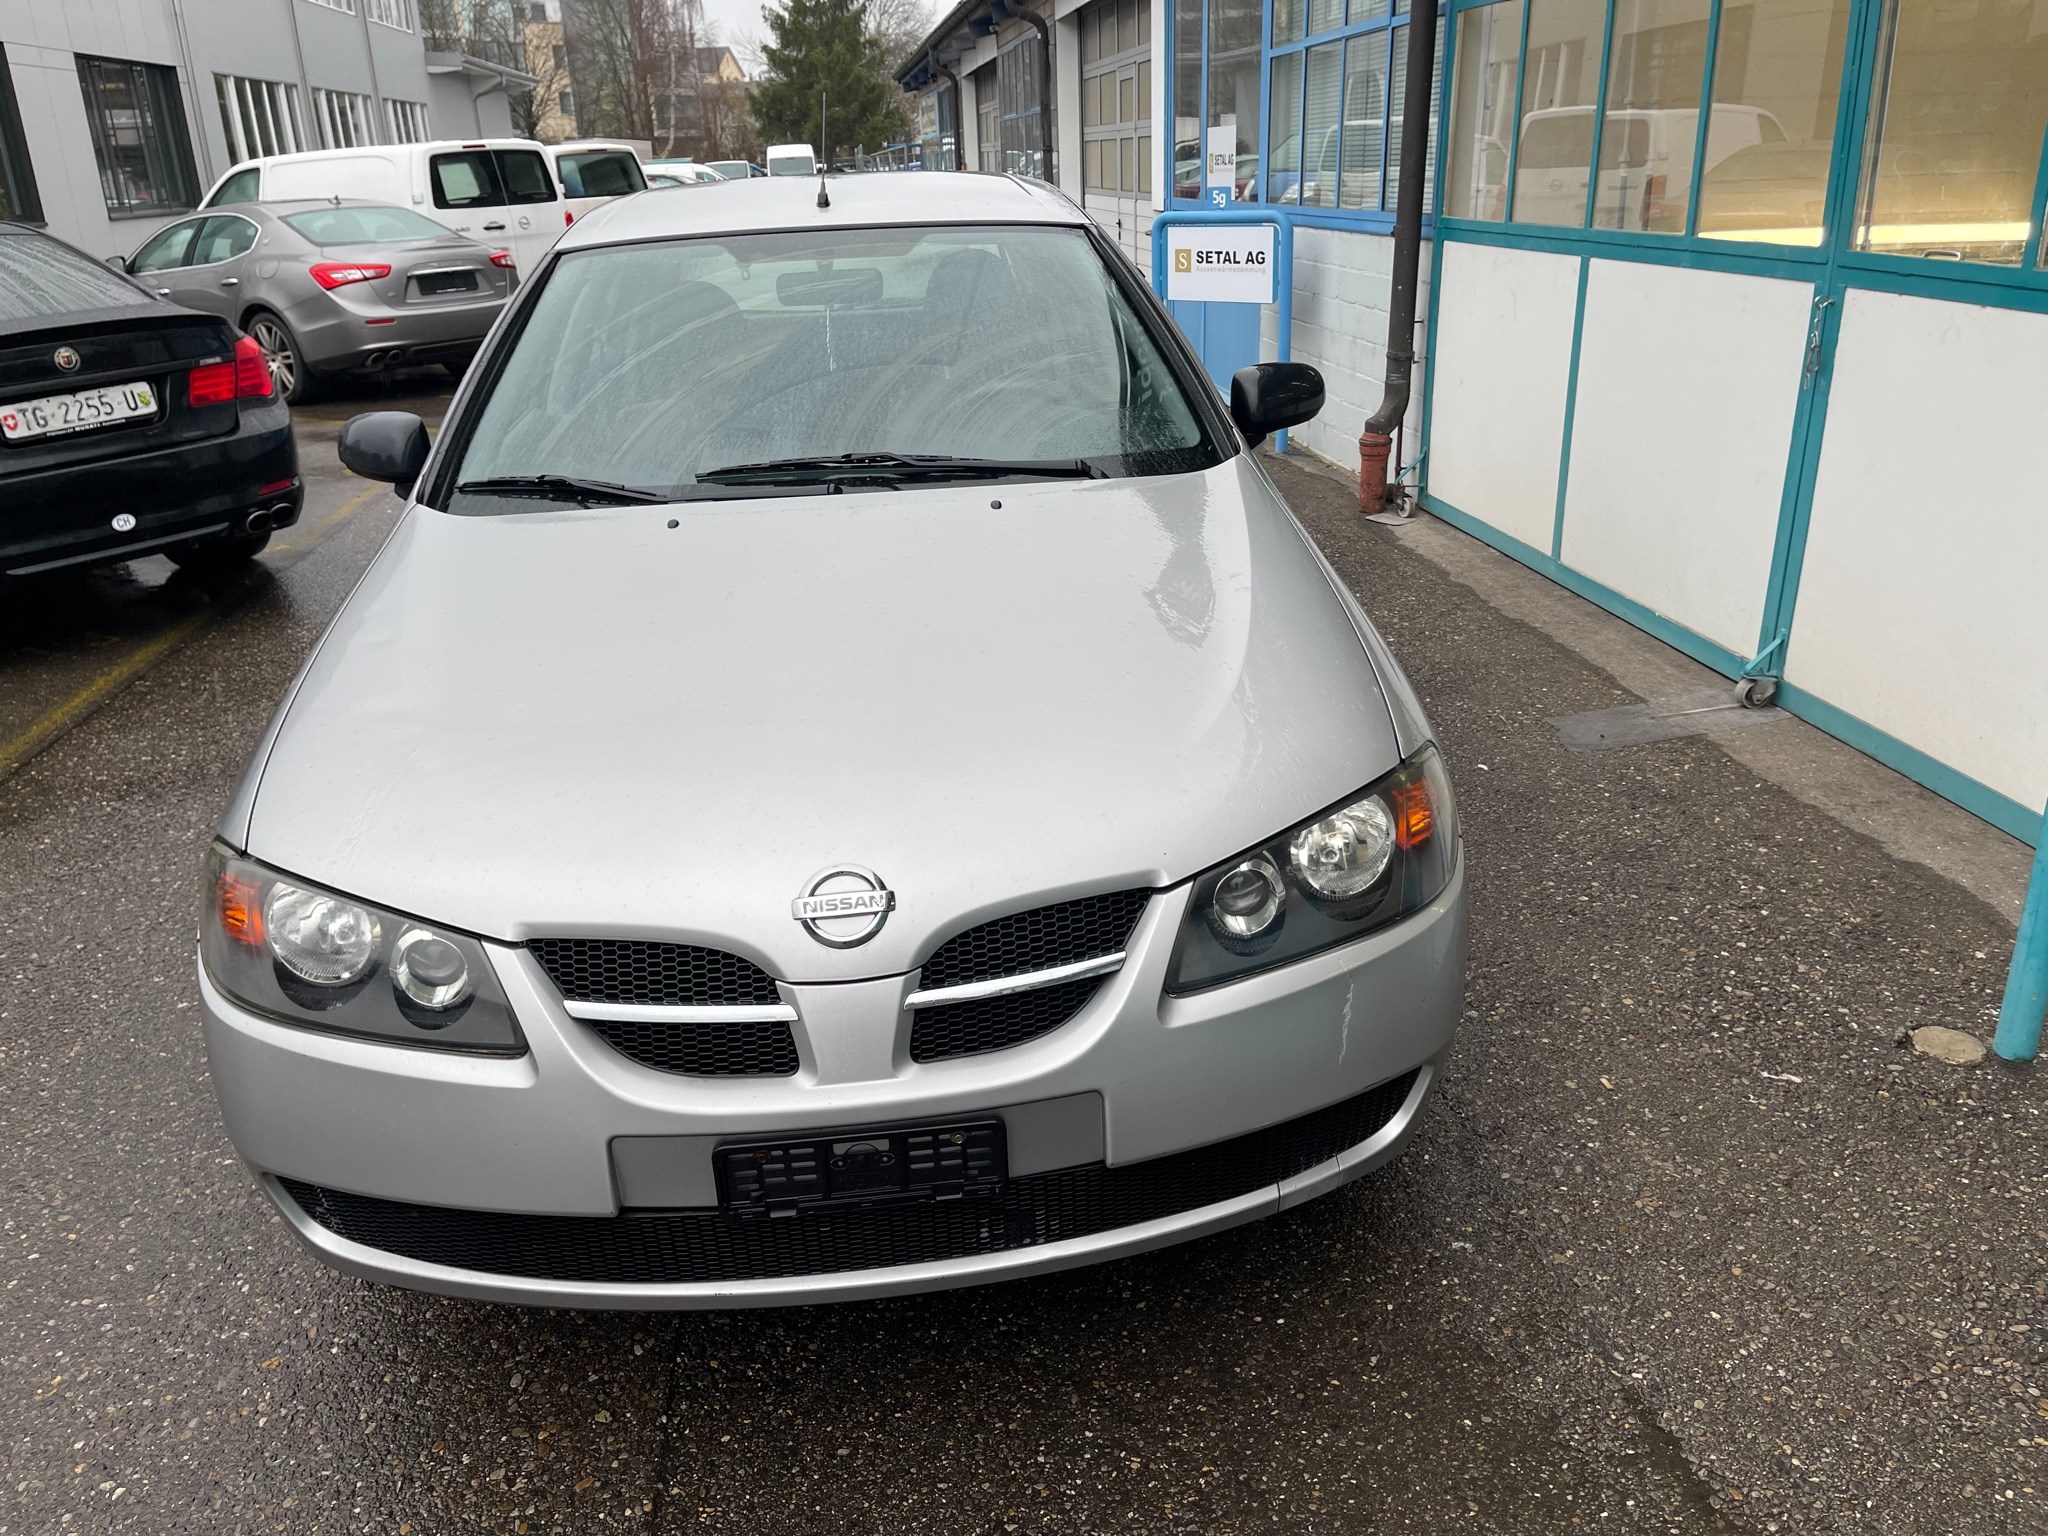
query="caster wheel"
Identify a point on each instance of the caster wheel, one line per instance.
(1756, 692)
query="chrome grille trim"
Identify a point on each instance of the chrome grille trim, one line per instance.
(688, 1013)
(1028, 981)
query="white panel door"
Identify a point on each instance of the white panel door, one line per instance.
(1921, 605)
(1501, 362)
(1681, 432)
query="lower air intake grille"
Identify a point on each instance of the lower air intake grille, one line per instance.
(635, 971)
(996, 1023)
(684, 1247)
(753, 1048)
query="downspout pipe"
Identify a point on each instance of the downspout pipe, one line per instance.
(1038, 24)
(1376, 441)
(952, 78)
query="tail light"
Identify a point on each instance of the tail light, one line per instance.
(504, 259)
(245, 376)
(339, 274)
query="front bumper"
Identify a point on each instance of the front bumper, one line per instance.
(1134, 1077)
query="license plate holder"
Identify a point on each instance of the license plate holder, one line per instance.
(831, 1170)
(61, 415)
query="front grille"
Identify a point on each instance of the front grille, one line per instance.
(696, 1246)
(1037, 940)
(635, 971)
(996, 1023)
(749, 1048)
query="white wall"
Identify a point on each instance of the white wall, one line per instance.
(1921, 605)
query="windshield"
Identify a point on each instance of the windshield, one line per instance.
(652, 365)
(600, 173)
(365, 226)
(791, 165)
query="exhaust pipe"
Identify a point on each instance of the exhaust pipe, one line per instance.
(257, 521)
(283, 515)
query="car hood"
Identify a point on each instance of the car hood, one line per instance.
(594, 723)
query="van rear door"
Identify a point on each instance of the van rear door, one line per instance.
(502, 197)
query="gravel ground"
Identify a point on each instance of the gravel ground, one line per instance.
(1691, 1243)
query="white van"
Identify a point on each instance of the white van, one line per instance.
(1645, 162)
(498, 191)
(594, 171)
(792, 160)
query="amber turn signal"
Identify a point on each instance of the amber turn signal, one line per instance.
(241, 908)
(1414, 815)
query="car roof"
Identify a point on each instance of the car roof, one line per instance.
(791, 202)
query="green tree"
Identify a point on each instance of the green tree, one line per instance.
(825, 46)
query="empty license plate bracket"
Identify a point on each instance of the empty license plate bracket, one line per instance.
(830, 1170)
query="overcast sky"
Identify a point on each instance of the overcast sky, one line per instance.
(737, 24)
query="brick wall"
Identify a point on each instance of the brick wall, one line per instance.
(1341, 281)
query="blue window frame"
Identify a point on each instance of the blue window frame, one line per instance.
(1314, 90)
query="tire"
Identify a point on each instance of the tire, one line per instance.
(289, 374)
(218, 556)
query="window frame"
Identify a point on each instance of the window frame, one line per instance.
(166, 142)
(1019, 83)
(408, 121)
(276, 99)
(1394, 23)
(335, 109)
(1863, 55)
(17, 171)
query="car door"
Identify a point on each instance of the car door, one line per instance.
(533, 206)
(157, 262)
(211, 278)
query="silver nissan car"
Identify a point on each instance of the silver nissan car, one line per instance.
(846, 779)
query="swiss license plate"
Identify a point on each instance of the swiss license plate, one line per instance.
(80, 412)
(858, 1167)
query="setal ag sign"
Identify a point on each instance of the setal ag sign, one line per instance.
(1218, 265)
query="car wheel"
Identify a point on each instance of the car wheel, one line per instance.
(288, 371)
(218, 556)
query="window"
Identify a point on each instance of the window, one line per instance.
(566, 103)
(1019, 71)
(408, 122)
(988, 119)
(1953, 149)
(137, 121)
(652, 363)
(467, 180)
(1234, 69)
(600, 173)
(1777, 82)
(1116, 97)
(1483, 111)
(525, 176)
(18, 198)
(40, 276)
(346, 120)
(242, 187)
(364, 226)
(258, 117)
(224, 237)
(167, 248)
(393, 13)
(337, 5)
(561, 56)
(1333, 103)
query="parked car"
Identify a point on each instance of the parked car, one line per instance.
(737, 170)
(500, 191)
(791, 818)
(332, 287)
(593, 172)
(677, 172)
(129, 425)
(1645, 162)
(792, 160)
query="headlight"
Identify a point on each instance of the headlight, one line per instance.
(1359, 866)
(294, 952)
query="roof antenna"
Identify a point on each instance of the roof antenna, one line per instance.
(823, 200)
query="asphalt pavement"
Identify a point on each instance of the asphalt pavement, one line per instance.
(1692, 1242)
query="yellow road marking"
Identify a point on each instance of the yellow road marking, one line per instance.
(59, 718)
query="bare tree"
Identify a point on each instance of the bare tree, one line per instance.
(900, 24)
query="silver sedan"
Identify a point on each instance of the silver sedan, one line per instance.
(333, 287)
(846, 779)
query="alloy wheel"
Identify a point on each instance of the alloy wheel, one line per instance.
(278, 352)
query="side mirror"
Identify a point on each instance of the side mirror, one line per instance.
(1271, 397)
(118, 263)
(385, 445)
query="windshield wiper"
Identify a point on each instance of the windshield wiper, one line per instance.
(900, 466)
(564, 488)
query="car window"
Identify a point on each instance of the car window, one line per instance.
(169, 248)
(39, 276)
(238, 188)
(223, 239)
(364, 226)
(600, 173)
(650, 364)
(525, 175)
(466, 180)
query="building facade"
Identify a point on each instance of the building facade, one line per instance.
(1736, 311)
(116, 117)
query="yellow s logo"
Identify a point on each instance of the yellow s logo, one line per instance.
(1183, 261)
